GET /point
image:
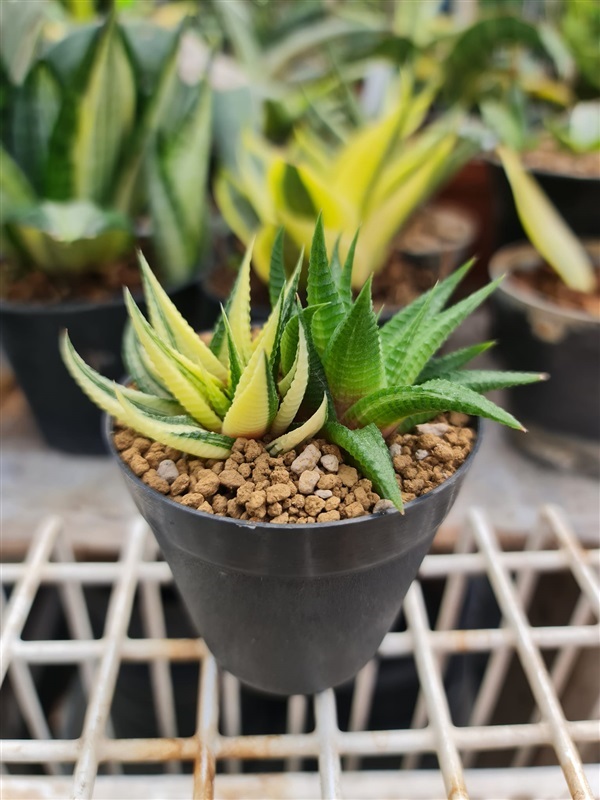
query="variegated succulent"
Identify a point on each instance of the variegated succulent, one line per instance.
(324, 367)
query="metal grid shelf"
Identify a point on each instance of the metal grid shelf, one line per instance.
(95, 763)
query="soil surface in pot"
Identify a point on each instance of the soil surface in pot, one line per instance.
(91, 286)
(311, 484)
(544, 282)
(422, 253)
(549, 156)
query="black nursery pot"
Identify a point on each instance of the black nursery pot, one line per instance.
(293, 609)
(30, 335)
(562, 415)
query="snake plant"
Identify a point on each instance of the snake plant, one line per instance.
(100, 132)
(376, 178)
(326, 367)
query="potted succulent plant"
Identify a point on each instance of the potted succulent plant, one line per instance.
(286, 555)
(103, 147)
(378, 174)
(549, 310)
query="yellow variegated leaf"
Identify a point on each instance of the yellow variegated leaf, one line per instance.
(268, 333)
(286, 381)
(337, 211)
(418, 107)
(294, 396)
(255, 157)
(188, 392)
(85, 377)
(233, 202)
(312, 149)
(263, 246)
(239, 309)
(310, 428)
(185, 338)
(250, 412)
(546, 229)
(171, 432)
(352, 172)
(380, 228)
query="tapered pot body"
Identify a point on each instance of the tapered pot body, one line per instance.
(30, 336)
(293, 609)
(536, 333)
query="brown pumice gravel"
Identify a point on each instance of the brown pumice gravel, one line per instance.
(312, 484)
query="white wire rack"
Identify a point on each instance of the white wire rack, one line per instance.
(431, 757)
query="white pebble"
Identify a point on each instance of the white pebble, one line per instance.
(308, 480)
(324, 494)
(167, 469)
(308, 459)
(330, 463)
(395, 450)
(383, 506)
(421, 454)
(436, 428)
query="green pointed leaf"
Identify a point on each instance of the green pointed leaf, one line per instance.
(483, 380)
(432, 336)
(277, 269)
(353, 362)
(438, 367)
(321, 289)
(16, 193)
(345, 282)
(396, 357)
(545, 228)
(154, 112)
(368, 450)
(36, 108)
(235, 362)
(437, 297)
(388, 407)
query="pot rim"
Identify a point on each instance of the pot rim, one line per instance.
(493, 160)
(293, 527)
(508, 257)
(78, 306)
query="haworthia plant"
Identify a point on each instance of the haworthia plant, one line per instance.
(325, 368)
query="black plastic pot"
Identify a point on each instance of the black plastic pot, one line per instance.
(577, 200)
(29, 335)
(293, 609)
(562, 415)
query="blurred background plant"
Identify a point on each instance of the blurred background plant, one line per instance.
(102, 142)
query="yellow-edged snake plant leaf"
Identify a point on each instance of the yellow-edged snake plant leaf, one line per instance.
(178, 432)
(353, 360)
(181, 382)
(379, 229)
(368, 449)
(237, 209)
(387, 407)
(254, 407)
(306, 431)
(546, 229)
(171, 325)
(92, 126)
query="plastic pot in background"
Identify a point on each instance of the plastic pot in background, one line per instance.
(293, 609)
(30, 333)
(563, 414)
(577, 199)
